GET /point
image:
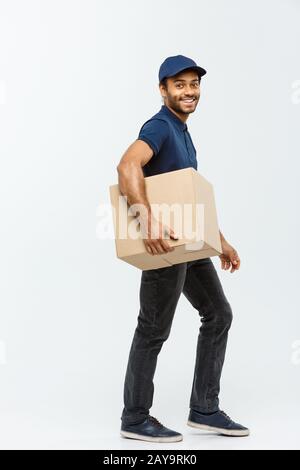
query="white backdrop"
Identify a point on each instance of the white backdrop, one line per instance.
(77, 81)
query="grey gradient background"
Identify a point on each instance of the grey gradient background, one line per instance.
(77, 80)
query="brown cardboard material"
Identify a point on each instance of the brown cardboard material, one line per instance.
(193, 197)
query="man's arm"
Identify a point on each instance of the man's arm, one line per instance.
(229, 256)
(222, 236)
(130, 173)
(132, 185)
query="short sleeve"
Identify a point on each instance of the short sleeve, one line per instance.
(154, 132)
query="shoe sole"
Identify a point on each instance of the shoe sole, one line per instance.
(225, 432)
(141, 437)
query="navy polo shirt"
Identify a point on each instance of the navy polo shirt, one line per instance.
(170, 141)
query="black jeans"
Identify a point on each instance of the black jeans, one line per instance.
(159, 293)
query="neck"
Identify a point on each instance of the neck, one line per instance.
(182, 116)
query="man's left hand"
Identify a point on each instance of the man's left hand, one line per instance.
(229, 257)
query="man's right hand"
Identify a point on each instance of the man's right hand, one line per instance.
(154, 233)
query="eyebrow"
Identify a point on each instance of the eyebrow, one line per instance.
(181, 80)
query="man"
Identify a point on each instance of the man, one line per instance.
(164, 144)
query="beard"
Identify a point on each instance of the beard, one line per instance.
(179, 107)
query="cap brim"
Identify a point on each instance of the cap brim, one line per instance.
(201, 71)
(198, 69)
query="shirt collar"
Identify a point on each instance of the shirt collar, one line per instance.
(180, 124)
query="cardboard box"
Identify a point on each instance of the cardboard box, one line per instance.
(187, 201)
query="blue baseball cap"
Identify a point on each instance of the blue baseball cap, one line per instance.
(173, 65)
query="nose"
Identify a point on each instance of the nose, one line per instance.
(189, 91)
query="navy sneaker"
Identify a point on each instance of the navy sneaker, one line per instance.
(218, 422)
(150, 430)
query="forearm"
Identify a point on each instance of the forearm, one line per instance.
(132, 185)
(222, 236)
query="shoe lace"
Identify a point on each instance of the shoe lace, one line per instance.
(155, 421)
